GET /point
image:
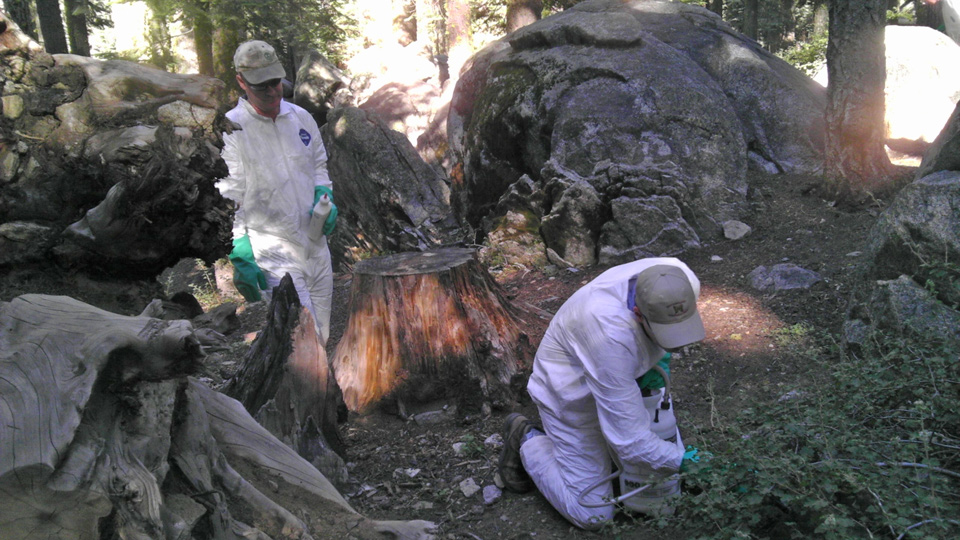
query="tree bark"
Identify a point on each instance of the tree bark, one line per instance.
(203, 37)
(286, 383)
(226, 39)
(51, 26)
(855, 161)
(19, 11)
(77, 31)
(750, 16)
(520, 13)
(458, 24)
(715, 6)
(428, 326)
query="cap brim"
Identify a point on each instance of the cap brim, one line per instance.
(259, 75)
(672, 336)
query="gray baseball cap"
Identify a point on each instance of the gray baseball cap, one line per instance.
(257, 61)
(667, 301)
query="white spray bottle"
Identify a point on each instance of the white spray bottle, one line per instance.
(320, 212)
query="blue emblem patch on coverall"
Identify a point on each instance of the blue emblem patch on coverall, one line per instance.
(305, 137)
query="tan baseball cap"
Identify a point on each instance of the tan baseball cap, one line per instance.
(668, 303)
(257, 61)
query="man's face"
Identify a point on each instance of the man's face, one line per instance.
(264, 97)
(646, 329)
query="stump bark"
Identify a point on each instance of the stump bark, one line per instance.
(286, 384)
(430, 325)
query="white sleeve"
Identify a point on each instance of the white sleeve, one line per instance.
(610, 355)
(320, 159)
(234, 185)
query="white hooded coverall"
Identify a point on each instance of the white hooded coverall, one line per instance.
(274, 167)
(584, 385)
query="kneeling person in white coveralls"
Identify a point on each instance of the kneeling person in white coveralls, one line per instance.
(278, 173)
(604, 338)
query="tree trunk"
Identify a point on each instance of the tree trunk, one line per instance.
(750, 15)
(51, 26)
(715, 6)
(856, 162)
(520, 13)
(77, 31)
(286, 384)
(19, 11)
(158, 38)
(226, 39)
(458, 24)
(203, 37)
(426, 326)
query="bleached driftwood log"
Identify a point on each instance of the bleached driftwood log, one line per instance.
(102, 434)
(429, 325)
(286, 383)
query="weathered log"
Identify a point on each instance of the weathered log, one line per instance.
(82, 435)
(285, 382)
(430, 325)
(101, 436)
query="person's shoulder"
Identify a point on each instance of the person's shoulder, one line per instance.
(300, 112)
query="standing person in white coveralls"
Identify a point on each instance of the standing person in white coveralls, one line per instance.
(278, 172)
(587, 374)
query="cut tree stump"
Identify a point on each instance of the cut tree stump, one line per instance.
(430, 325)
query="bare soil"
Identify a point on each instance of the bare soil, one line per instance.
(756, 349)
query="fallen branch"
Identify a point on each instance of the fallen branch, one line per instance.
(924, 522)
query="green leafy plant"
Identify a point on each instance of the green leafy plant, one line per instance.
(868, 448)
(472, 448)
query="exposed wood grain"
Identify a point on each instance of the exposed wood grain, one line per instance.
(427, 325)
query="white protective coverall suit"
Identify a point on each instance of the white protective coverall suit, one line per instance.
(584, 385)
(274, 167)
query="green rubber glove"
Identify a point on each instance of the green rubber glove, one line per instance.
(331, 220)
(652, 380)
(247, 276)
(690, 456)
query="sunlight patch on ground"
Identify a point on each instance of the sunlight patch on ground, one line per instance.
(737, 323)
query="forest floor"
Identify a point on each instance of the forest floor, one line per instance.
(757, 349)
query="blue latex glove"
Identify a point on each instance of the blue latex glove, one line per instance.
(247, 276)
(690, 456)
(652, 380)
(331, 220)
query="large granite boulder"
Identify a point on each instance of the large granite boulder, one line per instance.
(923, 85)
(909, 282)
(636, 122)
(944, 153)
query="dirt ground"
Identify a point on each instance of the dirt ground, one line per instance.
(754, 350)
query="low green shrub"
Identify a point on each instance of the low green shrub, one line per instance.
(868, 448)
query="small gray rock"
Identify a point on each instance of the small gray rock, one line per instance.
(469, 487)
(735, 230)
(782, 277)
(491, 494)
